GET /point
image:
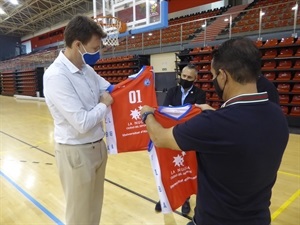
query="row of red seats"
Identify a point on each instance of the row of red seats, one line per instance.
(115, 65)
(285, 99)
(124, 72)
(282, 76)
(273, 42)
(293, 111)
(115, 79)
(286, 52)
(116, 59)
(283, 64)
(286, 87)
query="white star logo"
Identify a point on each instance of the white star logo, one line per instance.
(178, 160)
(135, 114)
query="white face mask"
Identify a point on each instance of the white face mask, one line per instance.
(90, 58)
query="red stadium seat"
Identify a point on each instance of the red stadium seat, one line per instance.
(296, 88)
(296, 99)
(284, 76)
(283, 87)
(205, 68)
(283, 99)
(258, 43)
(295, 111)
(269, 65)
(297, 52)
(206, 77)
(270, 42)
(285, 109)
(285, 64)
(287, 41)
(287, 52)
(270, 75)
(297, 76)
(206, 86)
(270, 54)
(215, 96)
(297, 64)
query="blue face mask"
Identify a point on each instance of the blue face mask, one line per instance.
(90, 58)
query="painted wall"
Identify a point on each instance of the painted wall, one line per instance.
(178, 5)
(199, 8)
(163, 62)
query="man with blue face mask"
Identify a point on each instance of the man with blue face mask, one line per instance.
(77, 99)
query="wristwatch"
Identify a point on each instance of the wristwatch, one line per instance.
(144, 116)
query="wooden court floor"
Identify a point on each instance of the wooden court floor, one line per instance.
(31, 194)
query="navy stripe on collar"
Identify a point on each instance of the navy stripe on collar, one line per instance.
(247, 98)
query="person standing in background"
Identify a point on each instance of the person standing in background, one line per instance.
(77, 99)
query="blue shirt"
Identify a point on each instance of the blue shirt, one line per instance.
(184, 93)
(239, 148)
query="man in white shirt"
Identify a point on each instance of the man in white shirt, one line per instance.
(77, 99)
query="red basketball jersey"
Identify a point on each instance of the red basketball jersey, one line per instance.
(125, 132)
(175, 171)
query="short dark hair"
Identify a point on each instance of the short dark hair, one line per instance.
(82, 28)
(240, 57)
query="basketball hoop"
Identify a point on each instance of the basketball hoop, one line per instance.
(111, 25)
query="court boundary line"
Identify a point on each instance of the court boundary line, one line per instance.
(32, 200)
(285, 205)
(107, 180)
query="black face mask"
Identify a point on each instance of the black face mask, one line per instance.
(219, 91)
(186, 84)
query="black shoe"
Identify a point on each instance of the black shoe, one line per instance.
(158, 207)
(190, 223)
(186, 208)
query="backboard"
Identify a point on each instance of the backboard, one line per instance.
(139, 15)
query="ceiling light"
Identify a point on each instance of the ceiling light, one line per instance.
(226, 19)
(150, 34)
(1, 11)
(14, 2)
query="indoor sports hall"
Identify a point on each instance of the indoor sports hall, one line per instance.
(167, 35)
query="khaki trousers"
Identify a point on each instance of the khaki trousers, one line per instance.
(81, 169)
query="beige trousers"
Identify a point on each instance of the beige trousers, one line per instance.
(81, 169)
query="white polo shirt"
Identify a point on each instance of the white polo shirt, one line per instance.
(72, 96)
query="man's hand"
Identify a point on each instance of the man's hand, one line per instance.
(204, 107)
(147, 108)
(106, 99)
